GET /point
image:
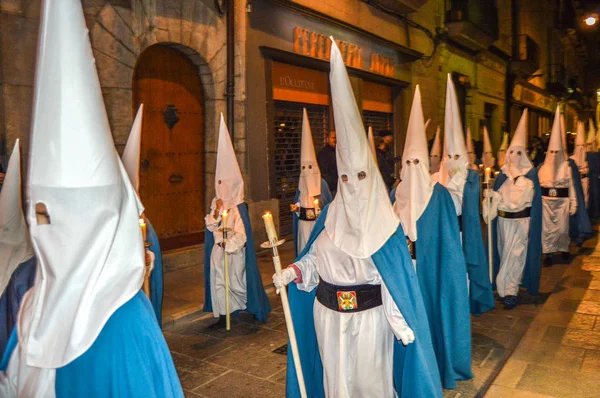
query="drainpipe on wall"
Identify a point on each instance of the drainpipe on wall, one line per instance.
(230, 90)
(514, 19)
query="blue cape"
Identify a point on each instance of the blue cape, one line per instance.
(580, 227)
(10, 300)
(129, 358)
(531, 274)
(593, 159)
(257, 301)
(442, 274)
(324, 199)
(480, 287)
(156, 277)
(415, 370)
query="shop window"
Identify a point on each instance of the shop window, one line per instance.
(380, 121)
(288, 138)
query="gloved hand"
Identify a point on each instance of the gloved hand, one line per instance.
(573, 209)
(489, 211)
(407, 336)
(287, 276)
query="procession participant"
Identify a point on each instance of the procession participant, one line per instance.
(465, 187)
(580, 227)
(436, 153)
(488, 159)
(246, 290)
(473, 165)
(368, 302)
(428, 219)
(559, 200)
(593, 160)
(84, 329)
(502, 152)
(328, 163)
(313, 192)
(131, 162)
(385, 158)
(17, 262)
(518, 230)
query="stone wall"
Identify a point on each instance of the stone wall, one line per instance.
(120, 30)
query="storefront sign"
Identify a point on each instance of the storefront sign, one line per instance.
(529, 97)
(318, 46)
(376, 97)
(296, 84)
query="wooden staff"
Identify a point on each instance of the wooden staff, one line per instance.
(273, 243)
(224, 217)
(488, 179)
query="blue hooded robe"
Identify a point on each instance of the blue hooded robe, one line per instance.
(257, 302)
(129, 358)
(324, 199)
(580, 227)
(442, 274)
(531, 273)
(156, 277)
(593, 159)
(20, 281)
(480, 288)
(415, 370)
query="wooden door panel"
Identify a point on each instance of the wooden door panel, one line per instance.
(172, 172)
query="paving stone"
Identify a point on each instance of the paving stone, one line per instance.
(595, 285)
(554, 334)
(582, 338)
(240, 385)
(589, 307)
(565, 383)
(582, 321)
(551, 355)
(199, 346)
(194, 372)
(511, 373)
(497, 391)
(569, 305)
(591, 362)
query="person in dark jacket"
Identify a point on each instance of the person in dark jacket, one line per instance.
(328, 163)
(385, 158)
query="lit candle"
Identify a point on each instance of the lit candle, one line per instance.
(496, 173)
(143, 227)
(224, 217)
(480, 166)
(270, 227)
(488, 174)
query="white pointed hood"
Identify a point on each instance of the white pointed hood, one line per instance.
(471, 150)
(15, 246)
(488, 155)
(131, 154)
(91, 255)
(453, 169)
(360, 218)
(229, 184)
(580, 151)
(372, 142)
(517, 161)
(436, 153)
(415, 189)
(555, 155)
(502, 150)
(310, 175)
(563, 135)
(591, 140)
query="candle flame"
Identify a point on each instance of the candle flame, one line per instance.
(267, 214)
(224, 212)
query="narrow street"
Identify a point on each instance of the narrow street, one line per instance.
(549, 346)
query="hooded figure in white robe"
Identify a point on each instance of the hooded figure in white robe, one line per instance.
(342, 264)
(580, 158)
(455, 162)
(229, 187)
(313, 192)
(472, 156)
(436, 153)
(558, 194)
(502, 150)
(487, 159)
(84, 329)
(17, 262)
(512, 201)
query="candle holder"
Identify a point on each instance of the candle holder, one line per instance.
(269, 245)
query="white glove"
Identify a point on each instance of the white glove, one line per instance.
(407, 336)
(489, 211)
(287, 276)
(573, 209)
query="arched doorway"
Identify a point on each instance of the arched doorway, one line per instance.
(172, 152)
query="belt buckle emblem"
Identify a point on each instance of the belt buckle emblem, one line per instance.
(347, 301)
(310, 214)
(552, 192)
(501, 213)
(411, 247)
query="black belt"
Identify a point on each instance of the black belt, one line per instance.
(308, 214)
(349, 298)
(412, 248)
(555, 192)
(517, 214)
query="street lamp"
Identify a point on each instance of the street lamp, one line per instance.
(591, 20)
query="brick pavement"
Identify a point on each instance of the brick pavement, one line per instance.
(555, 329)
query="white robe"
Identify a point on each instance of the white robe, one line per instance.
(513, 233)
(356, 348)
(555, 212)
(236, 249)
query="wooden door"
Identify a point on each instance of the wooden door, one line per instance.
(172, 153)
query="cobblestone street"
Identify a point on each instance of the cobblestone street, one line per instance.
(549, 346)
